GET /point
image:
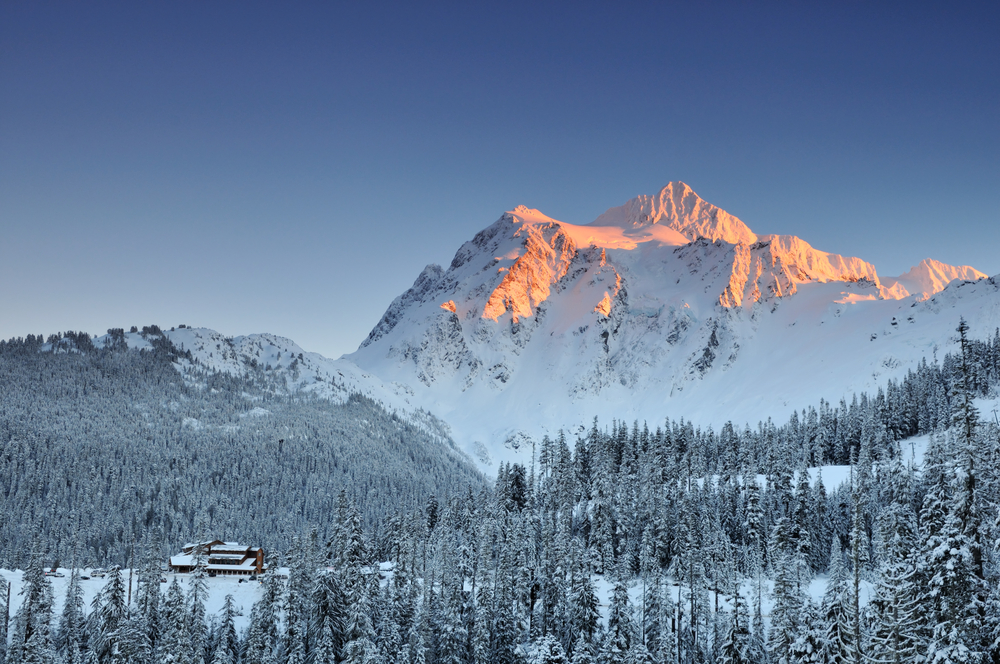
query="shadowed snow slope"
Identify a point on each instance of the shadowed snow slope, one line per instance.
(665, 306)
(284, 366)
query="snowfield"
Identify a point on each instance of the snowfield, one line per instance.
(244, 594)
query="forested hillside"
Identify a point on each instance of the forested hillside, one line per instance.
(103, 448)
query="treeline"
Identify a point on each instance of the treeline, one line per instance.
(87, 431)
(920, 403)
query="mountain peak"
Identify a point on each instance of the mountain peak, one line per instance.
(677, 206)
(530, 215)
(663, 303)
(930, 276)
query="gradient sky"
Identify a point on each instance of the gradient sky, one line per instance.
(290, 168)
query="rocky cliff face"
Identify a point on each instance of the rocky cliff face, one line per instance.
(545, 259)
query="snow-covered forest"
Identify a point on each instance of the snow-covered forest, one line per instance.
(100, 447)
(709, 541)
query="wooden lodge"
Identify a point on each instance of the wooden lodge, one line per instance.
(220, 558)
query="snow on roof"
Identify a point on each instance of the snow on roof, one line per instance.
(235, 555)
(205, 543)
(219, 545)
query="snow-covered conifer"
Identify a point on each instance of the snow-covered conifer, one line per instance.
(621, 629)
(31, 640)
(547, 650)
(72, 623)
(174, 644)
(107, 619)
(834, 608)
(227, 650)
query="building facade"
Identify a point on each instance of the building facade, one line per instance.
(220, 558)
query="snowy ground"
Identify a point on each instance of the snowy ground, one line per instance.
(816, 590)
(244, 594)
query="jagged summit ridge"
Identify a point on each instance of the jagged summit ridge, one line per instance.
(680, 208)
(509, 270)
(525, 254)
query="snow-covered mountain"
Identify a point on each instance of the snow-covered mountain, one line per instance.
(929, 277)
(665, 306)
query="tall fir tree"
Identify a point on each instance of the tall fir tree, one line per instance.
(31, 640)
(227, 648)
(174, 644)
(834, 609)
(71, 635)
(107, 619)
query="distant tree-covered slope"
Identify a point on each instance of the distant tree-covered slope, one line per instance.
(101, 448)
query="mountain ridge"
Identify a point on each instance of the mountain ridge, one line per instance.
(538, 320)
(538, 325)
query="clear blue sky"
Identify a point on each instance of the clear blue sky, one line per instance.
(291, 168)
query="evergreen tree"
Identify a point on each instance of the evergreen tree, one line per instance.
(227, 649)
(359, 634)
(197, 592)
(802, 517)
(297, 610)
(957, 588)
(134, 645)
(954, 555)
(107, 620)
(584, 605)
(389, 641)
(898, 624)
(5, 608)
(414, 649)
(148, 595)
(808, 645)
(834, 610)
(621, 627)
(789, 599)
(31, 640)
(582, 653)
(482, 628)
(70, 640)
(854, 634)
(734, 647)
(174, 645)
(329, 617)
(547, 650)
(452, 634)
